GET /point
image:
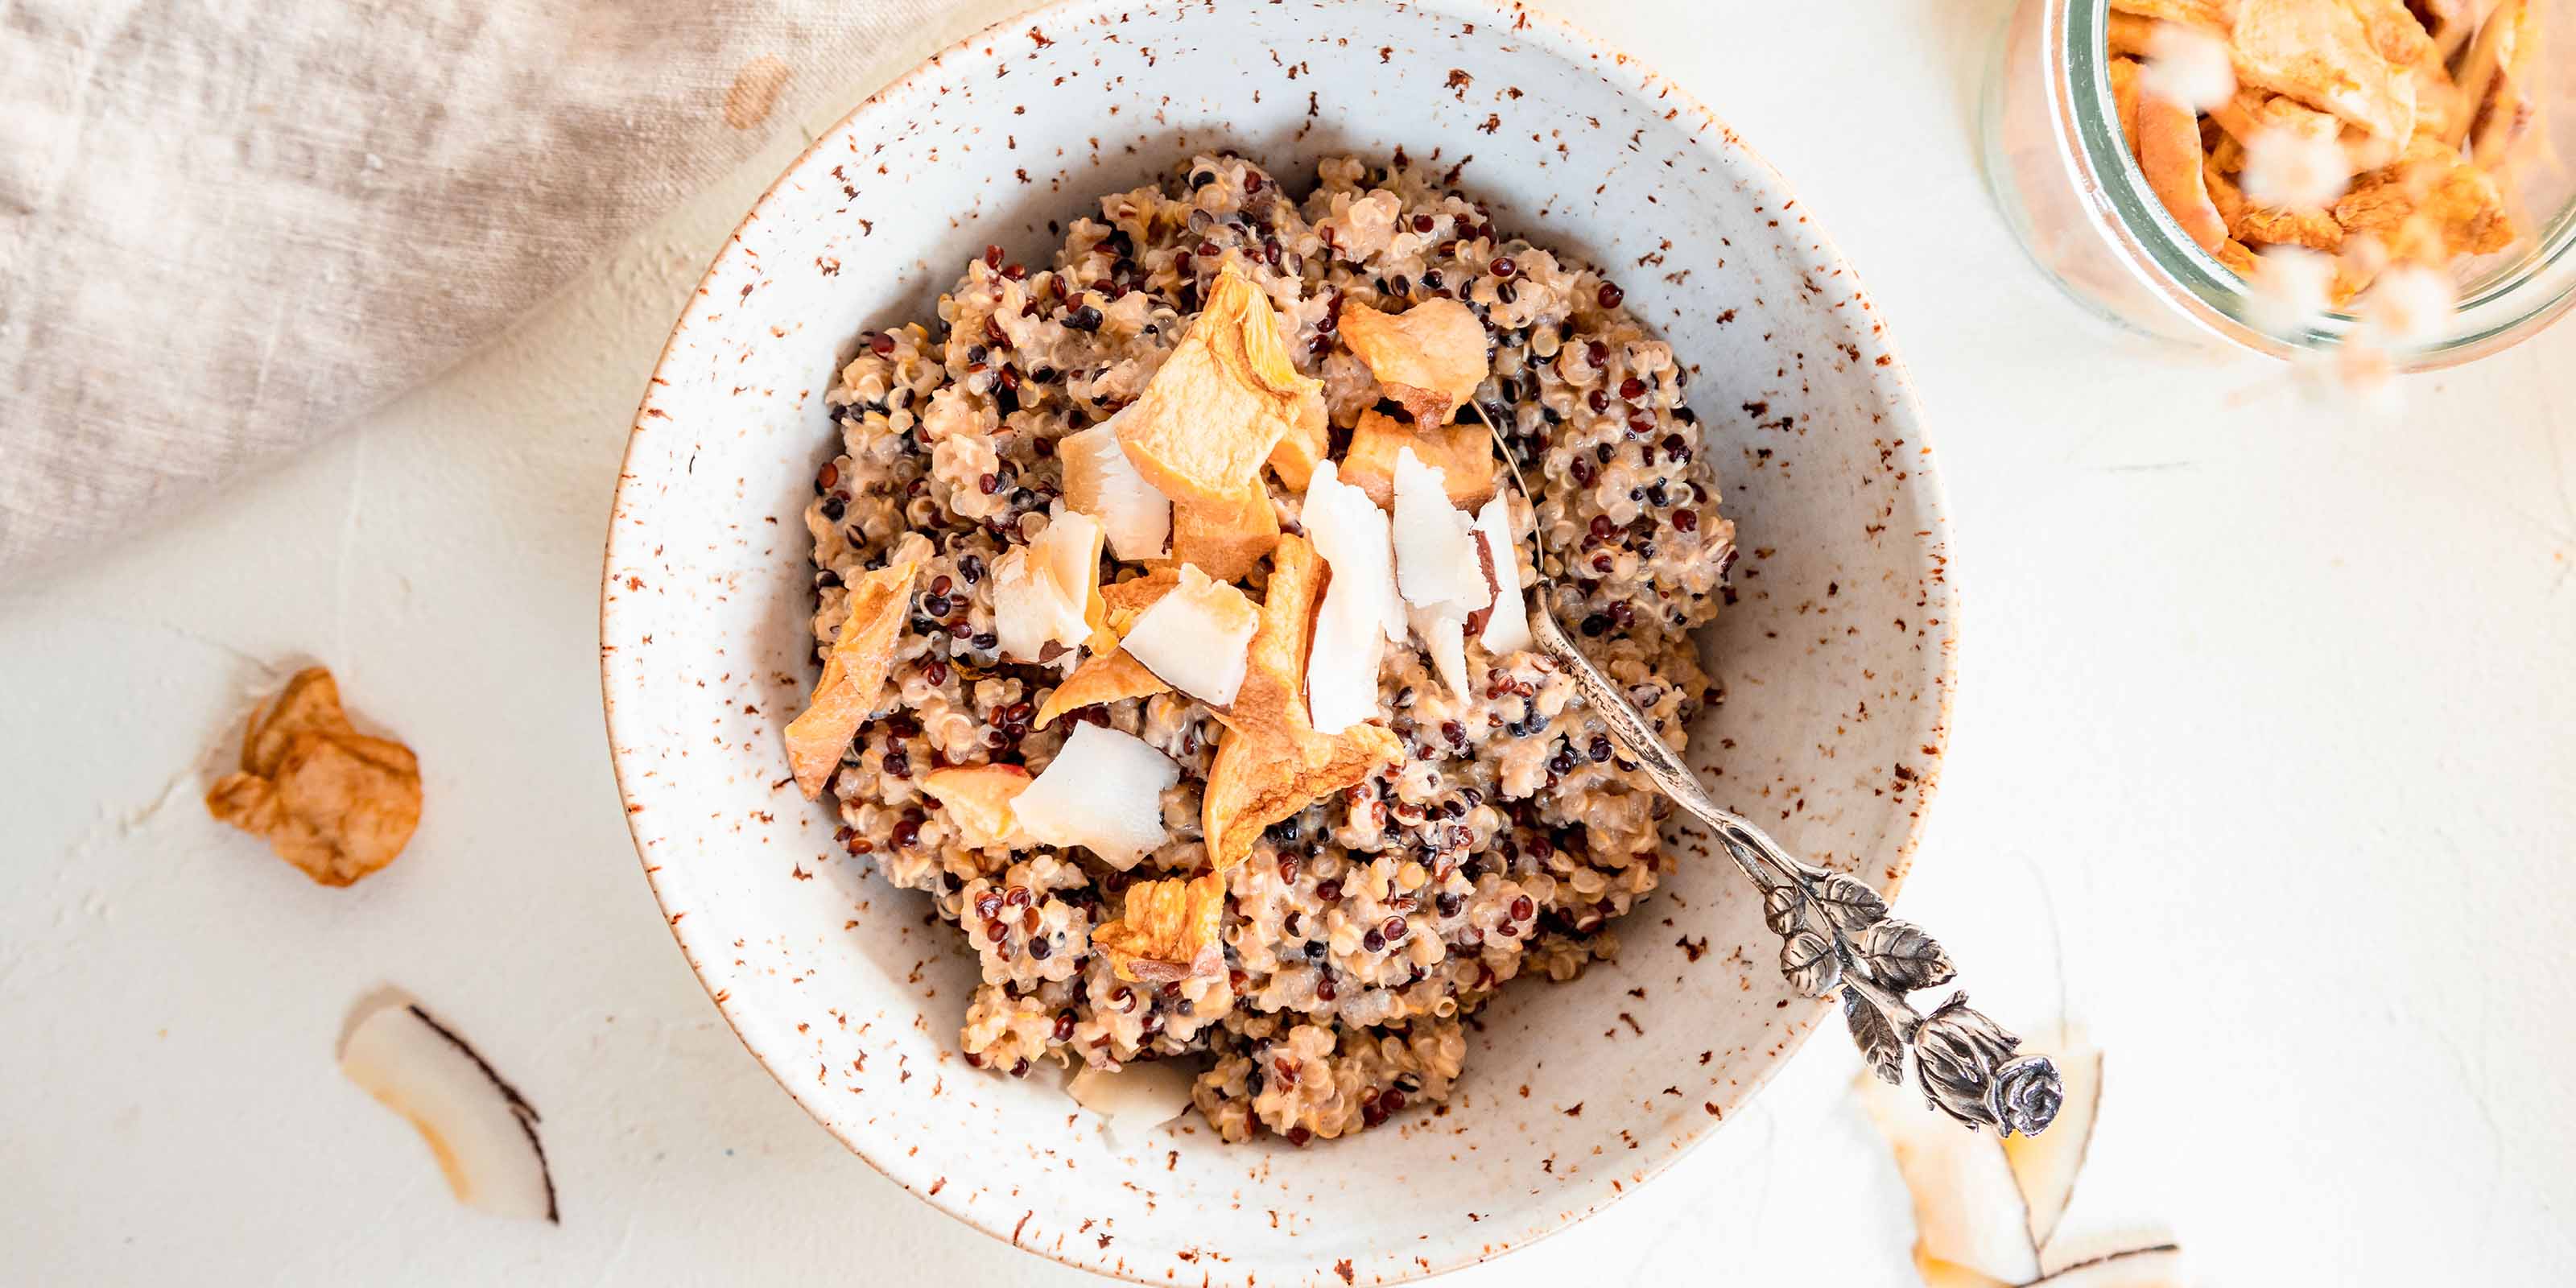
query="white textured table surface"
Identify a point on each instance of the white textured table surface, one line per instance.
(2264, 768)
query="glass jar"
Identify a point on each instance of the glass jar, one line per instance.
(2062, 175)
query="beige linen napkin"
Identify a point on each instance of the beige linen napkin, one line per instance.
(226, 226)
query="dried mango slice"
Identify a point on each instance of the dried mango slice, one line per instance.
(1270, 762)
(1103, 677)
(1123, 600)
(2124, 99)
(1110, 674)
(1463, 453)
(1226, 539)
(2272, 226)
(1226, 396)
(2392, 31)
(2127, 35)
(1167, 931)
(2428, 206)
(2169, 153)
(330, 800)
(1300, 450)
(977, 799)
(856, 670)
(1430, 357)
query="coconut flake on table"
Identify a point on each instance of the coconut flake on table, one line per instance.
(481, 1131)
(1195, 637)
(1104, 792)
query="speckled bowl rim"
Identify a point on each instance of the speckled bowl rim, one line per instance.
(1566, 40)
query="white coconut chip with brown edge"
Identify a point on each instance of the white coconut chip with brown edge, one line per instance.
(2045, 1166)
(1967, 1208)
(1989, 1212)
(482, 1132)
(1133, 1100)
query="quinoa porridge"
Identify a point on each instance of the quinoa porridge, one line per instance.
(1097, 501)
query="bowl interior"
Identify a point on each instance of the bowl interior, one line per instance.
(1834, 659)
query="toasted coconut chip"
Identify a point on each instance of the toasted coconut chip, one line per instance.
(1104, 792)
(1430, 357)
(1270, 761)
(1357, 540)
(1226, 396)
(1444, 632)
(2320, 53)
(1101, 482)
(856, 669)
(2169, 154)
(1504, 627)
(1464, 455)
(2045, 1166)
(330, 800)
(977, 798)
(1968, 1209)
(1361, 612)
(1194, 637)
(1436, 563)
(1109, 674)
(1048, 591)
(1225, 540)
(481, 1131)
(1104, 677)
(1166, 931)
(1136, 1099)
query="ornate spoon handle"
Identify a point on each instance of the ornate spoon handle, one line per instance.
(1835, 931)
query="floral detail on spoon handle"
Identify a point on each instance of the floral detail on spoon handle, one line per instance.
(1834, 930)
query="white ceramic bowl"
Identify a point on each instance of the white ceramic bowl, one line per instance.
(1836, 660)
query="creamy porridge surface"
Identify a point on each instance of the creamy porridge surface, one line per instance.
(1363, 932)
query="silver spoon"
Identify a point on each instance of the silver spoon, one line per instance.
(1834, 929)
